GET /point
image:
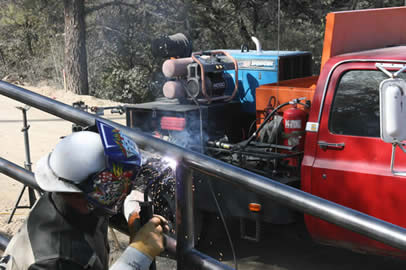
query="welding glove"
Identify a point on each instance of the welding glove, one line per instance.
(149, 239)
(132, 203)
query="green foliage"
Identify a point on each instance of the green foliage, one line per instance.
(29, 46)
(119, 34)
(130, 86)
(119, 40)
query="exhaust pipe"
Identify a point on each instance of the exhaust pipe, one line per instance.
(257, 44)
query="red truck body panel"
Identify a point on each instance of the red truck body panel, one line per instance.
(358, 175)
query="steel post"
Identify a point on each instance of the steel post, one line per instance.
(26, 139)
(184, 214)
(170, 245)
(28, 163)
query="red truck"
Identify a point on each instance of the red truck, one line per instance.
(337, 135)
(345, 159)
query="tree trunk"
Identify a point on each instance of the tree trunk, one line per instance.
(75, 47)
(354, 4)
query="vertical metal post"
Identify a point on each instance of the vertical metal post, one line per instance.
(27, 165)
(184, 214)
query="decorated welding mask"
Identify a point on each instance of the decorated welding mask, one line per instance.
(108, 188)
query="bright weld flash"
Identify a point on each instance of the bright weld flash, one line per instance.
(171, 162)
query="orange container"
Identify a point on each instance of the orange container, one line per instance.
(359, 30)
(282, 92)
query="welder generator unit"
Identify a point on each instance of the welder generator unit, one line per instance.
(211, 105)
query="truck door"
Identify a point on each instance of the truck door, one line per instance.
(352, 165)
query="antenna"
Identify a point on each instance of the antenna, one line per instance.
(277, 57)
(279, 23)
(277, 50)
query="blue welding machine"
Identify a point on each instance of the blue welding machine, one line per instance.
(256, 68)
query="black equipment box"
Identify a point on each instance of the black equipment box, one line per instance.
(181, 122)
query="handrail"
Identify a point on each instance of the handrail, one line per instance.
(353, 220)
(19, 173)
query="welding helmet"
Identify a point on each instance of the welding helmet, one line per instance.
(102, 166)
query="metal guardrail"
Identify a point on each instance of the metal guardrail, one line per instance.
(19, 173)
(356, 221)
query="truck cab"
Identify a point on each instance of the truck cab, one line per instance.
(345, 159)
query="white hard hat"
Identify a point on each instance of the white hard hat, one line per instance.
(73, 160)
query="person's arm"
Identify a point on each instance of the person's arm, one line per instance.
(144, 246)
(132, 259)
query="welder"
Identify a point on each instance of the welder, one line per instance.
(86, 179)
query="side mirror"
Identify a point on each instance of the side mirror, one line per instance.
(392, 94)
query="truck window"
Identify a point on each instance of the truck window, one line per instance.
(355, 108)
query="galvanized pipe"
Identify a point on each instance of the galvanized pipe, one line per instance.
(46, 104)
(25, 129)
(345, 217)
(170, 245)
(27, 163)
(184, 213)
(19, 173)
(197, 260)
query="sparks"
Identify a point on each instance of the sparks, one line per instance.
(171, 162)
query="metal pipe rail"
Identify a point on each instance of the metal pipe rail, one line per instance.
(356, 221)
(19, 173)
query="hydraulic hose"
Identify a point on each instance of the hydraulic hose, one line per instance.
(254, 135)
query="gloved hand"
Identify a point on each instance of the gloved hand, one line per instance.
(149, 239)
